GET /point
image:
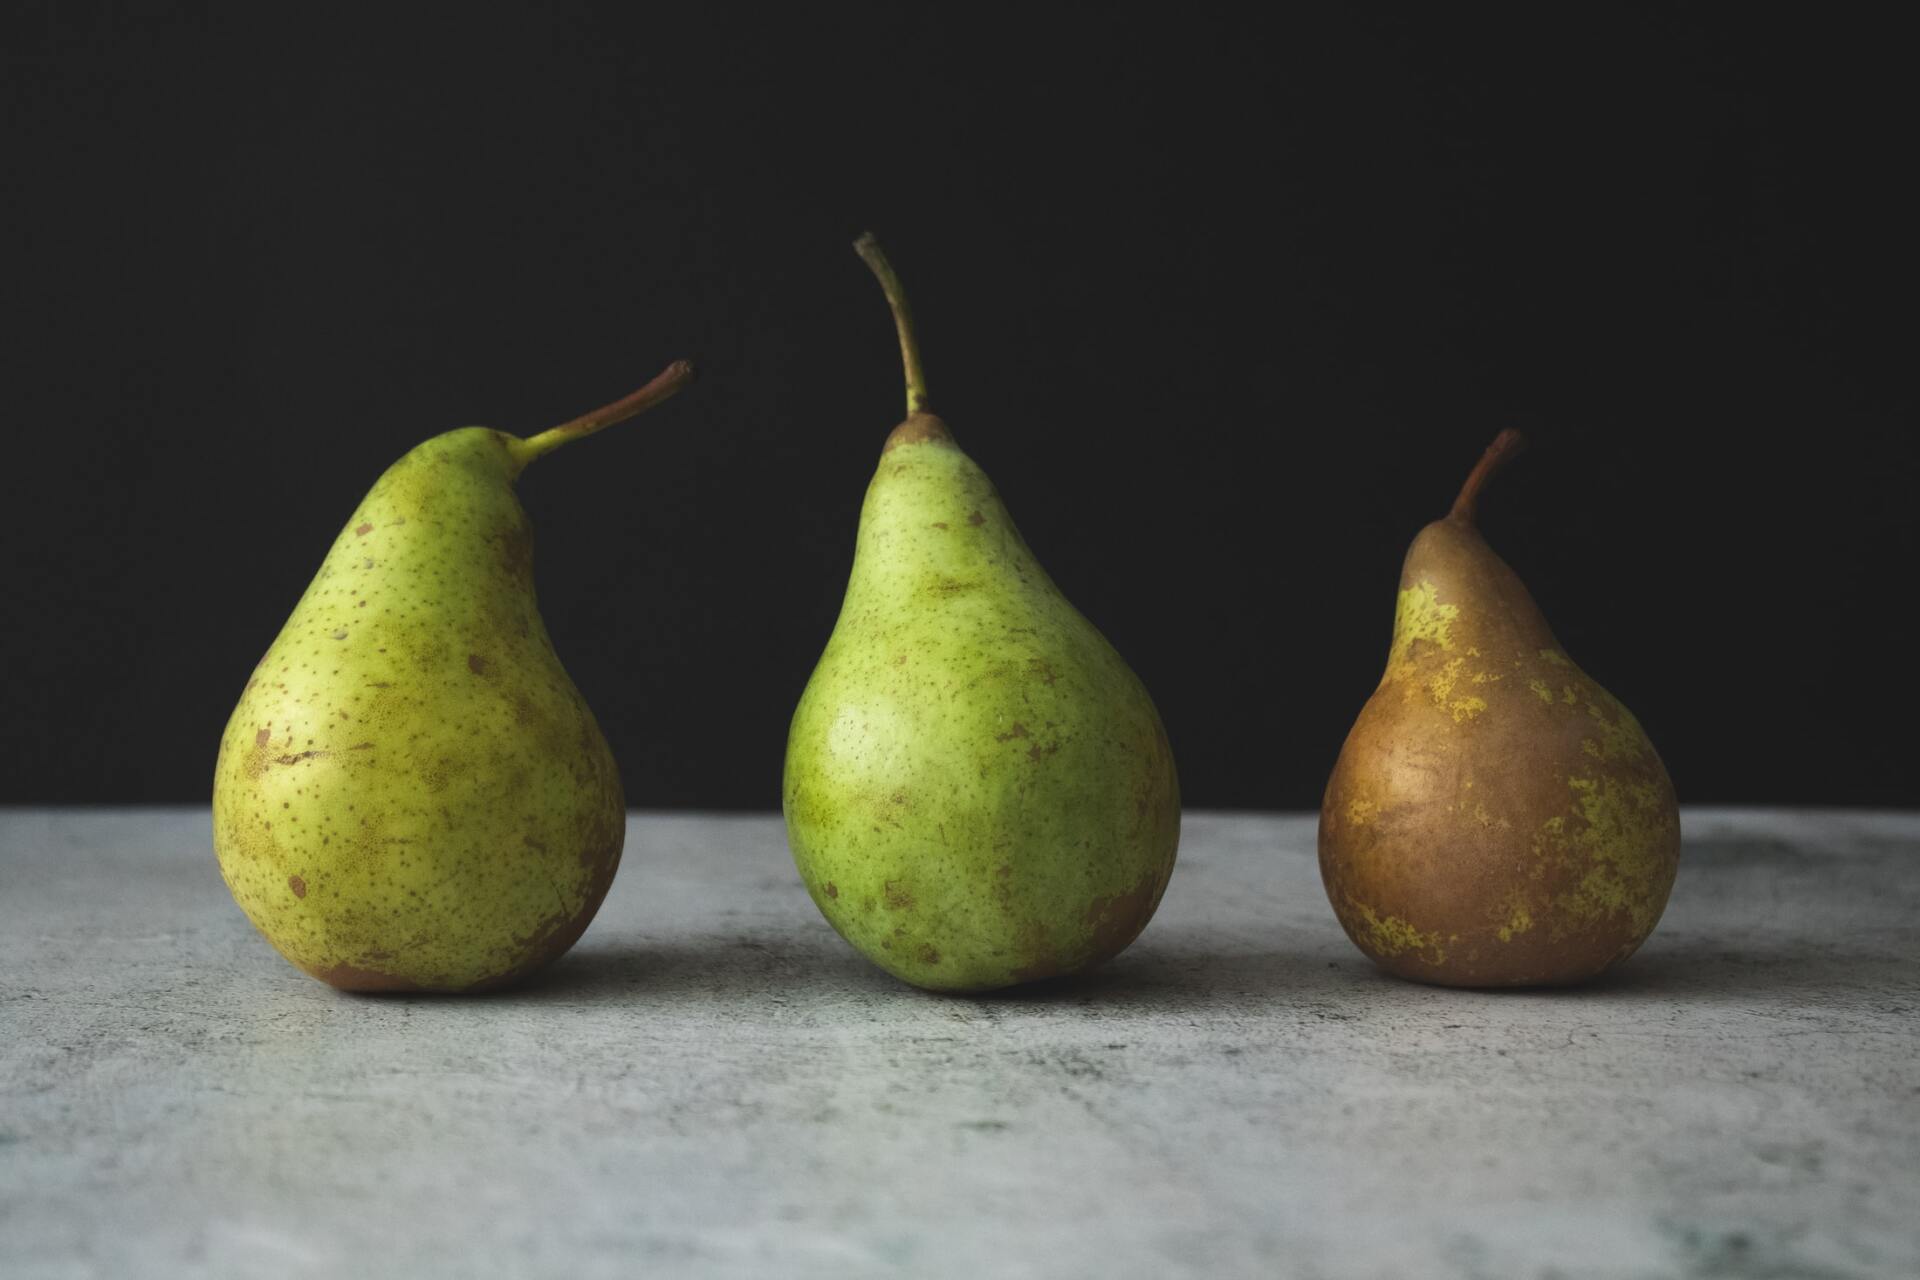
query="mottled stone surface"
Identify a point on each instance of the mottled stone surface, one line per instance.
(713, 1084)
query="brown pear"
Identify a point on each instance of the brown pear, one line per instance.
(1496, 818)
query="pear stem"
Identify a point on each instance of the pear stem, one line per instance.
(669, 381)
(1505, 447)
(870, 252)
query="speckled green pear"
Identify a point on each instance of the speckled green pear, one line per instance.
(978, 790)
(411, 794)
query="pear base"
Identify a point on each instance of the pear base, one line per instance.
(1552, 980)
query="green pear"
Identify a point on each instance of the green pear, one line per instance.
(978, 790)
(411, 794)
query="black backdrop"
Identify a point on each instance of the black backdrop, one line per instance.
(1226, 308)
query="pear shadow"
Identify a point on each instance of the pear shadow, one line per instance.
(1179, 974)
(1793, 971)
(710, 967)
(1183, 976)
(1758, 850)
(713, 968)
(1703, 971)
(742, 970)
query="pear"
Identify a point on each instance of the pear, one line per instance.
(978, 791)
(1496, 818)
(411, 794)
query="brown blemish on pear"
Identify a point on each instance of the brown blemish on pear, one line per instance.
(919, 428)
(350, 977)
(1116, 920)
(1477, 831)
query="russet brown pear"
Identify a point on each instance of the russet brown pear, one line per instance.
(1496, 818)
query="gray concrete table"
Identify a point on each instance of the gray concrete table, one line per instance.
(712, 1084)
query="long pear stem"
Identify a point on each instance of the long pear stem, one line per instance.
(664, 385)
(1505, 447)
(870, 252)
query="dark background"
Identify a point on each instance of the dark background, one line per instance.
(1226, 308)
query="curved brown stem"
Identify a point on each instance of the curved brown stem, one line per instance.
(870, 252)
(1505, 447)
(664, 385)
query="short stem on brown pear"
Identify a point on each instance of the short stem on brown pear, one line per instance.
(663, 387)
(870, 252)
(1505, 447)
